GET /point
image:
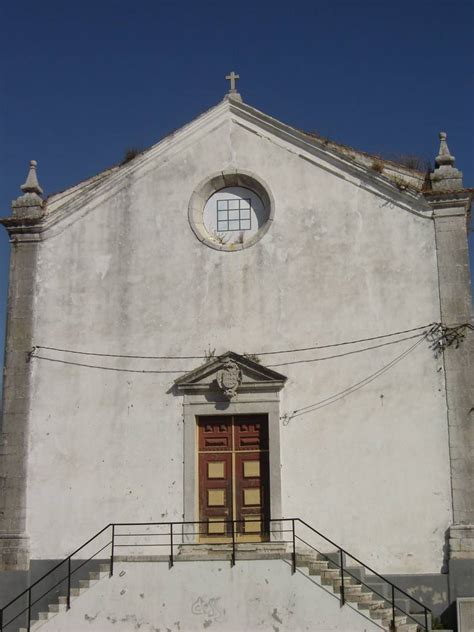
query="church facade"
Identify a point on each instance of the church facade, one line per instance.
(241, 325)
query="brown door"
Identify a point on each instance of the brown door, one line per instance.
(215, 475)
(234, 476)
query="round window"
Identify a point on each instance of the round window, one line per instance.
(230, 211)
(233, 215)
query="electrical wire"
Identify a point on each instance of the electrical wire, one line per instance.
(304, 409)
(348, 342)
(202, 357)
(354, 387)
(104, 368)
(346, 353)
(33, 354)
(117, 355)
(107, 368)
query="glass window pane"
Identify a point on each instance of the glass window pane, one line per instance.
(245, 224)
(222, 226)
(233, 214)
(244, 203)
(221, 205)
(233, 203)
(245, 213)
(234, 224)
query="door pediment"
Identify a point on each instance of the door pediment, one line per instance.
(229, 374)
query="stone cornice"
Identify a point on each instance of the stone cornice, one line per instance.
(449, 203)
(22, 229)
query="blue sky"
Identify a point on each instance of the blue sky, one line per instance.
(81, 82)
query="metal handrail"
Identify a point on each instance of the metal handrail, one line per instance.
(371, 570)
(51, 570)
(346, 571)
(172, 541)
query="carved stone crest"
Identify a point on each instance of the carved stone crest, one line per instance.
(229, 378)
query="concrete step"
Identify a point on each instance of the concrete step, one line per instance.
(363, 600)
(35, 625)
(75, 592)
(336, 582)
(336, 579)
(420, 618)
(143, 558)
(398, 622)
(44, 616)
(315, 570)
(379, 587)
(310, 556)
(354, 589)
(330, 573)
(357, 598)
(314, 565)
(85, 583)
(386, 615)
(61, 604)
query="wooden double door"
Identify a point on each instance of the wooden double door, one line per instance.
(234, 476)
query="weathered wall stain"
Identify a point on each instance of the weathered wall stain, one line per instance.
(275, 616)
(208, 608)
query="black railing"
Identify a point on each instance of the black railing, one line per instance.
(174, 537)
(345, 571)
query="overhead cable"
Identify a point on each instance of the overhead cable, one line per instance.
(104, 368)
(346, 353)
(354, 387)
(33, 354)
(119, 355)
(203, 357)
(348, 342)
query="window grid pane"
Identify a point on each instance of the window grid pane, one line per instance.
(233, 215)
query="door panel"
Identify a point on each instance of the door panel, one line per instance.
(251, 432)
(252, 492)
(233, 476)
(215, 434)
(215, 492)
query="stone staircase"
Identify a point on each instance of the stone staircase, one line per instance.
(320, 569)
(60, 605)
(373, 604)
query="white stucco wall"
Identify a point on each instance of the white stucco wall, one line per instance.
(126, 275)
(251, 596)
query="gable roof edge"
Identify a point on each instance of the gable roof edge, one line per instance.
(98, 184)
(408, 198)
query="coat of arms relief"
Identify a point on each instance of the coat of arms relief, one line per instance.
(229, 378)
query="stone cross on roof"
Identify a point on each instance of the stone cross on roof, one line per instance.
(232, 78)
(233, 94)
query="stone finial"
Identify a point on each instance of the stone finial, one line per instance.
(30, 204)
(445, 176)
(32, 185)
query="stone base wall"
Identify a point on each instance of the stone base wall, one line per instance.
(461, 542)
